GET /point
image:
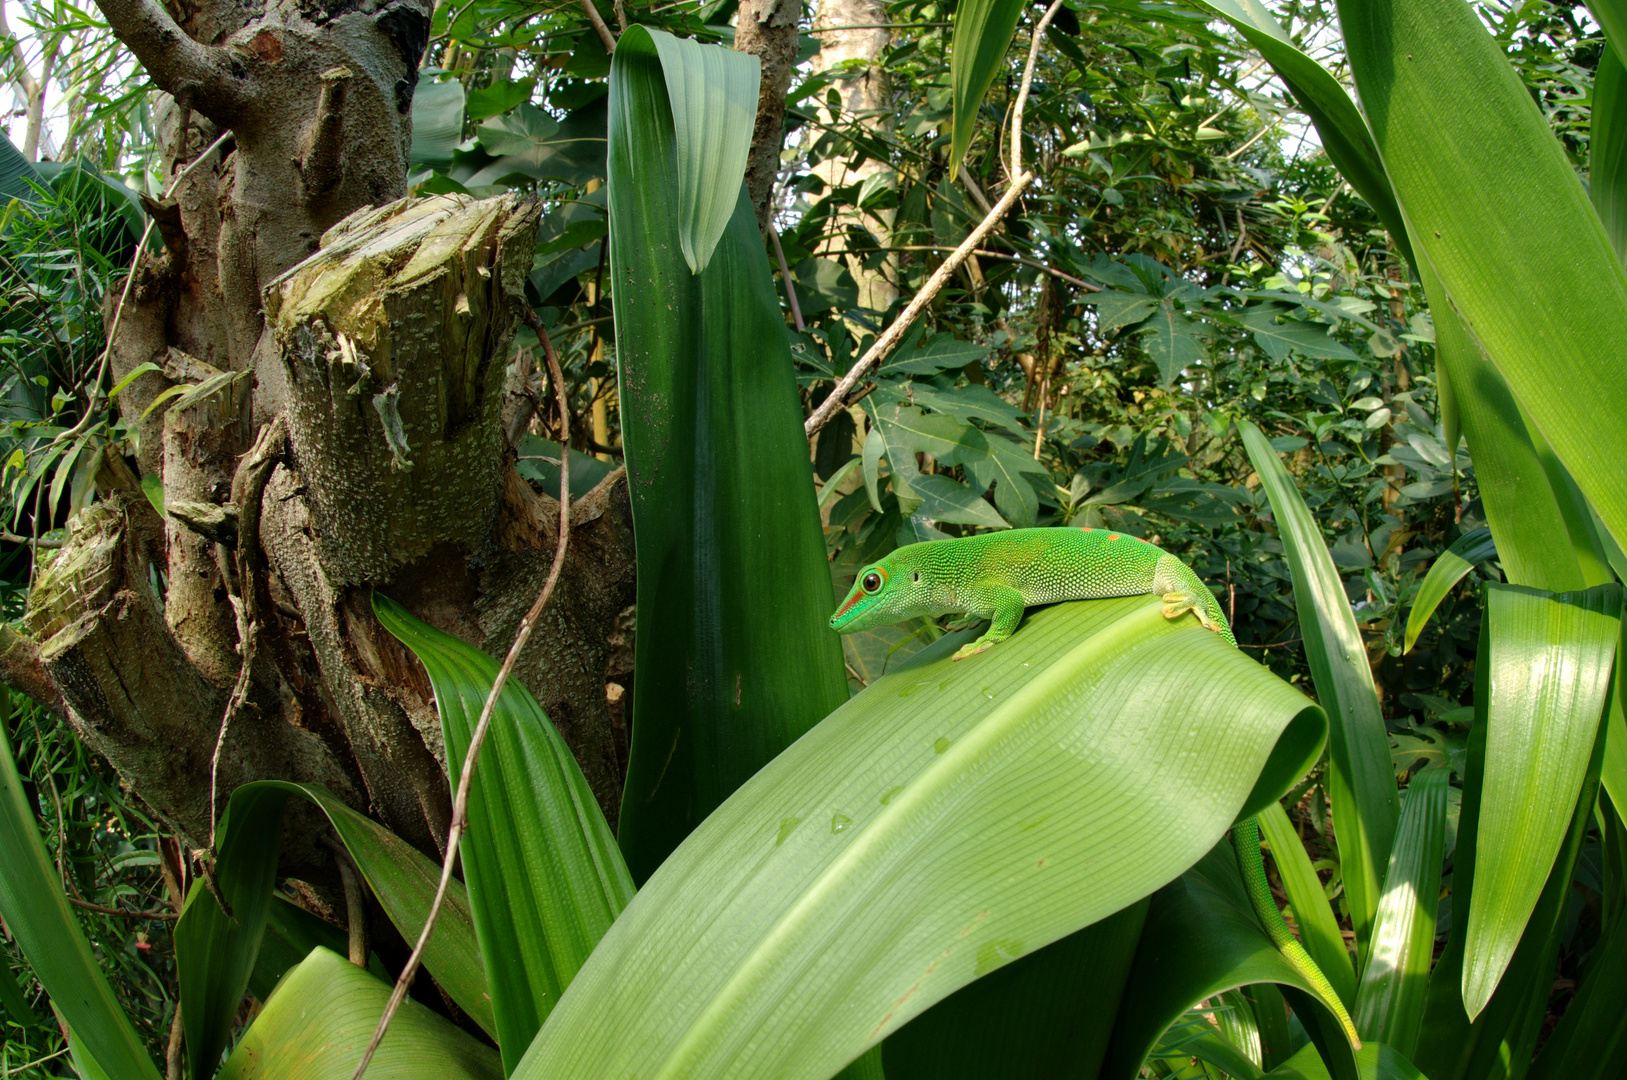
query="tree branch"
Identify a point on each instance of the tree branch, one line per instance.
(605, 36)
(207, 76)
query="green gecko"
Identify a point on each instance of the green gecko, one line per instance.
(996, 576)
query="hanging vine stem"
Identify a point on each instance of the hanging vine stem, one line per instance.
(1020, 179)
(460, 801)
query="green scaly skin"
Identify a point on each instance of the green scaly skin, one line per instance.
(996, 576)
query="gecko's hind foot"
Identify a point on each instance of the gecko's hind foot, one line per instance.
(1178, 604)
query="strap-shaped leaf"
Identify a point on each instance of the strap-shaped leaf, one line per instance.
(545, 878)
(735, 656)
(712, 101)
(43, 925)
(983, 31)
(1551, 657)
(948, 819)
(1361, 781)
(320, 1018)
(1318, 928)
(1474, 546)
(1607, 146)
(1390, 1003)
(1465, 148)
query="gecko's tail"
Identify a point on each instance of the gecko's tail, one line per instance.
(1246, 838)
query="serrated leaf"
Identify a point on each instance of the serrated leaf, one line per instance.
(1279, 339)
(1116, 309)
(944, 352)
(946, 499)
(950, 441)
(1173, 342)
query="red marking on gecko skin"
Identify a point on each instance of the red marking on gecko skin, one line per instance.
(1114, 536)
(851, 601)
(1086, 528)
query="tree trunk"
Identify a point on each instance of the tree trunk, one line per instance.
(351, 438)
(855, 30)
(768, 30)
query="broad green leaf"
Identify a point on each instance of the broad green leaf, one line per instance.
(951, 441)
(1390, 1002)
(1172, 341)
(735, 657)
(1115, 309)
(1465, 147)
(1474, 546)
(1318, 928)
(968, 402)
(44, 927)
(1344, 134)
(1045, 1015)
(437, 122)
(530, 143)
(944, 352)
(1360, 781)
(946, 499)
(290, 935)
(1202, 938)
(1278, 339)
(1551, 657)
(948, 819)
(544, 875)
(214, 951)
(1450, 1047)
(403, 881)
(1521, 506)
(983, 32)
(712, 95)
(1590, 1042)
(320, 1018)
(1607, 148)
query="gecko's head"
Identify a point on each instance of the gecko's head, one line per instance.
(884, 592)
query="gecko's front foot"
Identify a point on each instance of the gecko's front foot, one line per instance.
(972, 649)
(1178, 604)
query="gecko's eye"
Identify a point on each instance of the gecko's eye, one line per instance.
(871, 582)
(915, 578)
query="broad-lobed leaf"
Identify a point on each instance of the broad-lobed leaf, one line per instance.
(948, 819)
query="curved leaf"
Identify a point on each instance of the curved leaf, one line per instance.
(1390, 1003)
(44, 927)
(1362, 784)
(1551, 656)
(1474, 546)
(1044, 1016)
(1318, 928)
(734, 656)
(1374, 1061)
(320, 1018)
(544, 876)
(1202, 938)
(983, 32)
(1465, 146)
(712, 95)
(948, 819)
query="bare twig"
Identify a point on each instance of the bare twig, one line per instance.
(1022, 93)
(877, 352)
(785, 275)
(167, 916)
(355, 902)
(605, 36)
(460, 801)
(1003, 257)
(34, 542)
(884, 344)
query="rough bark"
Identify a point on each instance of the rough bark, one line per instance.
(768, 30)
(865, 102)
(346, 436)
